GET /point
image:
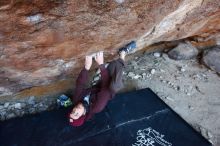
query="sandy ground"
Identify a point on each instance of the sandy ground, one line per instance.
(189, 88)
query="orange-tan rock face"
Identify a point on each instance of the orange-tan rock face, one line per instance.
(43, 41)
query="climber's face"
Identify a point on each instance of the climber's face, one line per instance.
(77, 111)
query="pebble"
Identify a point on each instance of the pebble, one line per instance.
(182, 69)
(17, 112)
(168, 82)
(148, 75)
(152, 71)
(6, 104)
(1, 107)
(11, 107)
(168, 98)
(163, 81)
(41, 105)
(162, 70)
(177, 88)
(144, 74)
(18, 105)
(32, 110)
(10, 110)
(137, 77)
(131, 74)
(157, 54)
(22, 113)
(31, 100)
(190, 107)
(11, 115)
(43, 108)
(204, 132)
(3, 113)
(209, 135)
(2, 117)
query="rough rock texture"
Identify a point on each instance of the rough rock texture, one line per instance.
(211, 58)
(183, 51)
(188, 87)
(43, 41)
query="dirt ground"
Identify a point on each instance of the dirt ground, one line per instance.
(189, 88)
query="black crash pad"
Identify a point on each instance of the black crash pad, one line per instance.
(137, 118)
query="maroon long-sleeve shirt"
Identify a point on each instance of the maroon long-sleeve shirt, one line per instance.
(99, 95)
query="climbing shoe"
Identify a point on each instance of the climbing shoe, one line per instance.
(129, 48)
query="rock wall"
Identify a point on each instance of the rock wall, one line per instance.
(45, 41)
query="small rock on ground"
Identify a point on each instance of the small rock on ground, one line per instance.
(18, 105)
(152, 71)
(157, 54)
(211, 58)
(6, 104)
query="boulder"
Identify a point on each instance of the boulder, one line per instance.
(43, 42)
(211, 58)
(183, 51)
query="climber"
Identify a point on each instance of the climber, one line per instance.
(89, 101)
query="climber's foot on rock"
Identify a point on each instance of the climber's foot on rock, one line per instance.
(129, 48)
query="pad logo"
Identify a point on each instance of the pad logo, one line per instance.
(150, 137)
